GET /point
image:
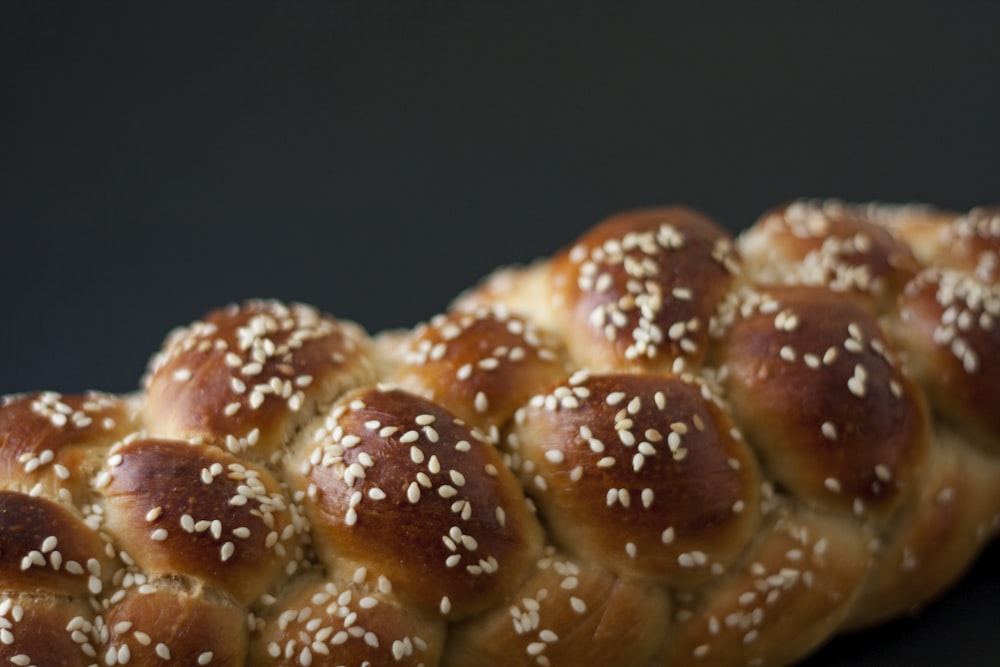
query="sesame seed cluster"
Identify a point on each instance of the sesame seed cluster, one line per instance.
(663, 445)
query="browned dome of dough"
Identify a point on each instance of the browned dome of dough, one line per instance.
(652, 455)
(395, 483)
(246, 376)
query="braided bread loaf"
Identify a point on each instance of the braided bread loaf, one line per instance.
(663, 446)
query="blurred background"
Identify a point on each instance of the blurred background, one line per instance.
(158, 160)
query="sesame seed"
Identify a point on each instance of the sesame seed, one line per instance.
(413, 493)
(569, 583)
(434, 464)
(554, 456)
(945, 495)
(856, 383)
(895, 388)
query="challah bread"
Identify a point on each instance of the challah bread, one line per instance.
(567, 612)
(815, 386)
(662, 446)
(389, 467)
(653, 455)
(456, 360)
(246, 377)
(830, 245)
(322, 621)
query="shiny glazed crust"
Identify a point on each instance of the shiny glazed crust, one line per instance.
(662, 446)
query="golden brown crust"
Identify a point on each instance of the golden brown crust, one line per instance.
(815, 385)
(395, 483)
(326, 624)
(795, 588)
(568, 613)
(169, 621)
(967, 242)
(245, 376)
(637, 291)
(553, 472)
(949, 328)
(196, 510)
(46, 547)
(653, 456)
(956, 510)
(54, 444)
(829, 244)
(52, 630)
(482, 364)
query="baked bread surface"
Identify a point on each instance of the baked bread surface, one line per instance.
(661, 446)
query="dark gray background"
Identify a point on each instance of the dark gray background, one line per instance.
(373, 159)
